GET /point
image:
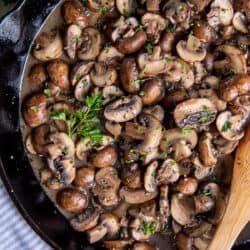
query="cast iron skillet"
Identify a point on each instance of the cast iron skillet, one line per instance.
(17, 30)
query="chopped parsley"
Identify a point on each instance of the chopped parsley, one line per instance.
(207, 117)
(154, 173)
(168, 59)
(170, 28)
(47, 92)
(185, 131)
(166, 229)
(83, 124)
(34, 108)
(224, 10)
(75, 37)
(139, 27)
(148, 227)
(141, 93)
(207, 192)
(138, 81)
(65, 150)
(103, 9)
(226, 126)
(149, 48)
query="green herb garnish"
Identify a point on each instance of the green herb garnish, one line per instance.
(149, 48)
(185, 131)
(148, 227)
(227, 125)
(166, 229)
(34, 108)
(103, 9)
(170, 28)
(168, 59)
(207, 117)
(141, 93)
(138, 81)
(207, 193)
(47, 92)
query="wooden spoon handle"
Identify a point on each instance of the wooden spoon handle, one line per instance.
(235, 218)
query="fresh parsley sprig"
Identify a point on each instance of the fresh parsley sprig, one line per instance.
(83, 124)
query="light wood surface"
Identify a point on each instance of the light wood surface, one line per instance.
(238, 209)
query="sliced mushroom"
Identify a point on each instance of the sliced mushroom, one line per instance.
(116, 244)
(194, 112)
(85, 177)
(149, 177)
(187, 186)
(126, 7)
(240, 22)
(71, 40)
(110, 93)
(200, 5)
(201, 171)
(201, 243)
(183, 242)
(219, 210)
(102, 76)
(154, 25)
(224, 146)
(95, 6)
(168, 172)
(108, 225)
(29, 145)
(123, 110)
(236, 86)
(58, 71)
(191, 50)
(48, 46)
(85, 221)
(198, 230)
(129, 75)
(151, 65)
(80, 70)
(90, 45)
(104, 158)
(152, 91)
(230, 126)
(207, 150)
(73, 13)
(235, 59)
(35, 110)
(113, 128)
(61, 145)
(110, 55)
(164, 205)
(72, 200)
(82, 88)
(203, 203)
(180, 142)
(50, 179)
(182, 209)
(37, 74)
(221, 13)
(138, 196)
(156, 111)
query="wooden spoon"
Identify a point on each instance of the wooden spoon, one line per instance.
(238, 209)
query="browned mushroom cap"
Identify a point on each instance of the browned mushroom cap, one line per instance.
(156, 111)
(150, 177)
(104, 158)
(230, 126)
(71, 40)
(90, 45)
(37, 74)
(39, 138)
(126, 7)
(82, 88)
(96, 5)
(146, 209)
(142, 246)
(73, 13)
(183, 242)
(154, 25)
(131, 44)
(207, 150)
(72, 200)
(219, 210)
(80, 70)
(58, 71)
(217, 16)
(131, 176)
(137, 196)
(123, 110)
(180, 142)
(198, 229)
(107, 197)
(187, 186)
(194, 112)
(129, 75)
(108, 225)
(168, 172)
(238, 85)
(167, 42)
(48, 46)
(235, 59)
(152, 91)
(182, 209)
(151, 65)
(61, 146)
(85, 177)
(200, 5)
(203, 203)
(35, 110)
(204, 31)
(102, 75)
(172, 99)
(85, 221)
(50, 179)
(191, 50)
(240, 22)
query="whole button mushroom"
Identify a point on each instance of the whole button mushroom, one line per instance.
(204, 32)
(129, 75)
(152, 91)
(188, 186)
(73, 13)
(167, 42)
(131, 176)
(72, 200)
(35, 110)
(85, 177)
(58, 71)
(104, 158)
(37, 74)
